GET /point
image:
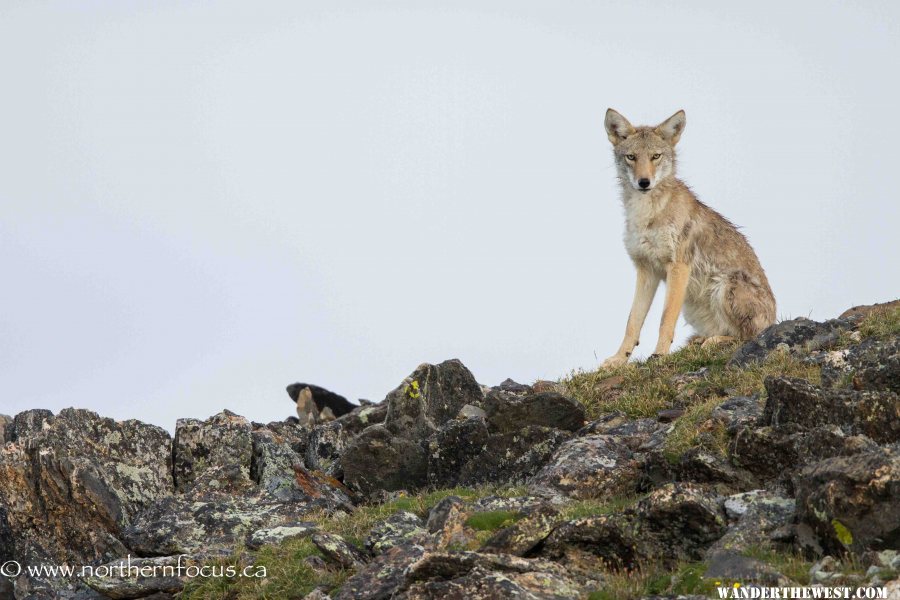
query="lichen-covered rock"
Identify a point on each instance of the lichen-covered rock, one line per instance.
(274, 461)
(379, 460)
(400, 528)
(852, 502)
(793, 334)
(471, 575)
(339, 551)
(280, 533)
(214, 454)
(593, 466)
(136, 577)
(507, 412)
(218, 522)
(871, 365)
(327, 442)
(686, 517)
(513, 457)
(875, 414)
(754, 516)
(69, 484)
(523, 536)
(383, 577)
(772, 453)
(737, 412)
(5, 422)
(702, 466)
(602, 542)
(452, 448)
(431, 396)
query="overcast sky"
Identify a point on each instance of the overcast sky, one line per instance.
(202, 202)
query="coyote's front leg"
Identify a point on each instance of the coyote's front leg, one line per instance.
(644, 291)
(677, 276)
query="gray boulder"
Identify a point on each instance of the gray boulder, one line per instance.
(593, 466)
(851, 502)
(379, 460)
(793, 334)
(72, 483)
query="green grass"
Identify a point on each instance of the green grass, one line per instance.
(289, 576)
(881, 323)
(644, 388)
(685, 578)
(579, 509)
(492, 520)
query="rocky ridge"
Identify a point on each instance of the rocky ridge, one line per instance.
(544, 500)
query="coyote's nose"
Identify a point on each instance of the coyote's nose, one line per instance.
(644, 183)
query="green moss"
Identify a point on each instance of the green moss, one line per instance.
(492, 520)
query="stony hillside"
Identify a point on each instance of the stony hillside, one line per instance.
(776, 462)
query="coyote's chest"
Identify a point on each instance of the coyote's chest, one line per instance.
(650, 237)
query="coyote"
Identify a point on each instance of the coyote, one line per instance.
(708, 265)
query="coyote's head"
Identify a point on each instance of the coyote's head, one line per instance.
(644, 155)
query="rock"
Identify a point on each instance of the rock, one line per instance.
(218, 522)
(862, 311)
(467, 453)
(328, 442)
(872, 365)
(214, 454)
(874, 414)
(5, 423)
(507, 413)
(756, 515)
(636, 434)
(69, 484)
(728, 566)
(774, 453)
(698, 465)
(339, 551)
(522, 537)
(383, 577)
(599, 543)
(430, 397)
(669, 415)
(470, 411)
(317, 594)
(141, 577)
(737, 412)
(593, 466)
(276, 535)
(794, 334)
(685, 517)
(475, 576)
(508, 385)
(379, 460)
(337, 404)
(400, 528)
(273, 462)
(851, 502)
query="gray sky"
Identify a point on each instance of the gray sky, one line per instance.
(203, 202)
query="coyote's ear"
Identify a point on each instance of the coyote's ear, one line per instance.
(617, 127)
(670, 129)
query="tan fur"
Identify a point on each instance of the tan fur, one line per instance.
(709, 268)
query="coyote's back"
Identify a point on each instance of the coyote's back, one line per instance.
(708, 265)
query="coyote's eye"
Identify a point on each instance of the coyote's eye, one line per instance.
(656, 156)
(630, 156)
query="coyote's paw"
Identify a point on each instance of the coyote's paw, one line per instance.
(614, 361)
(717, 340)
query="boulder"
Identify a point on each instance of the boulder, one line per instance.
(872, 365)
(339, 551)
(379, 460)
(754, 517)
(737, 412)
(135, 577)
(214, 454)
(70, 483)
(851, 502)
(593, 466)
(430, 397)
(507, 412)
(525, 535)
(327, 442)
(603, 542)
(792, 334)
(685, 517)
(400, 528)
(875, 414)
